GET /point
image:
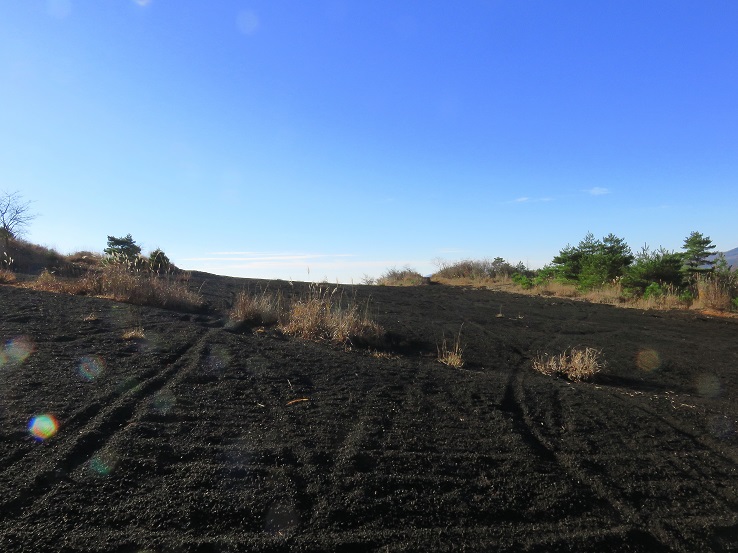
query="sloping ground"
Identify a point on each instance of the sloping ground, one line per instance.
(192, 439)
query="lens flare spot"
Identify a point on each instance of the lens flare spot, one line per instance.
(127, 385)
(103, 463)
(648, 360)
(708, 385)
(163, 402)
(43, 427)
(90, 367)
(16, 350)
(721, 428)
(247, 22)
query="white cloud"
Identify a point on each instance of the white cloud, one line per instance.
(598, 191)
(527, 200)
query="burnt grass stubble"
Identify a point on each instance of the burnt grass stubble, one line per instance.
(189, 439)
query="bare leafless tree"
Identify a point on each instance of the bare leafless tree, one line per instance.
(15, 214)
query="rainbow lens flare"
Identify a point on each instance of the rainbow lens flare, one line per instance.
(16, 350)
(90, 367)
(43, 427)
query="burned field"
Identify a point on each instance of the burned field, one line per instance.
(132, 429)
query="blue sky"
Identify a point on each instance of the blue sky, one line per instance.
(333, 139)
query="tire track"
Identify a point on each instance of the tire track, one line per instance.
(663, 528)
(96, 434)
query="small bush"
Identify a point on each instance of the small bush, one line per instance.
(653, 290)
(159, 262)
(523, 281)
(469, 269)
(401, 277)
(575, 364)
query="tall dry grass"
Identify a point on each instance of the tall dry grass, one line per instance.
(452, 355)
(126, 283)
(325, 315)
(262, 308)
(715, 292)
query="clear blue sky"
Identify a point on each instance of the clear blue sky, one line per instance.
(269, 138)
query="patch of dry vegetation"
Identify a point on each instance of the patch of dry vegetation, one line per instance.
(451, 355)
(137, 333)
(401, 277)
(262, 308)
(125, 283)
(323, 315)
(576, 364)
(714, 292)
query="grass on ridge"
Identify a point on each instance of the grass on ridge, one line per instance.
(401, 277)
(123, 282)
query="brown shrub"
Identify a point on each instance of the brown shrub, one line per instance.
(575, 364)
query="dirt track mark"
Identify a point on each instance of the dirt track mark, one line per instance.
(95, 434)
(621, 494)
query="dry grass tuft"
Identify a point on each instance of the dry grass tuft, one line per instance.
(7, 276)
(322, 316)
(575, 364)
(451, 356)
(263, 308)
(134, 334)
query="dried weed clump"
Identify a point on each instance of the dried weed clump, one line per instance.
(451, 355)
(322, 315)
(7, 276)
(136, 333)
(575, 364)
(262, 308)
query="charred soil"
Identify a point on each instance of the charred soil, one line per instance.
(177, 432)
